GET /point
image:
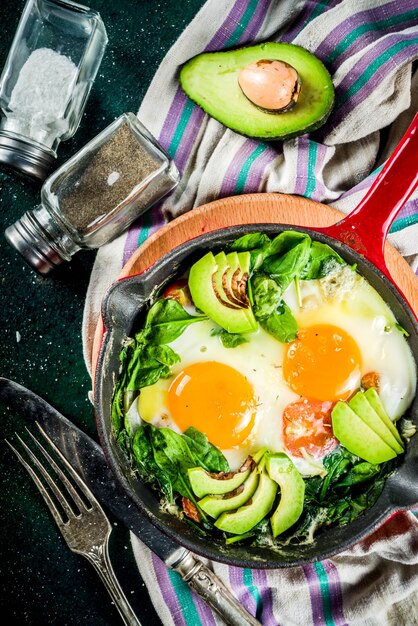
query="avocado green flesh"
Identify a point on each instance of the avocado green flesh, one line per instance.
(249, 515)
(202, 483)
(374, 400)
(292, 492)
(358, 437)
(204, 297)
(211, 80)
(215, 505)
(365, 411)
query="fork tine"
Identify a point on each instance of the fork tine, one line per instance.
(57, 492)
(50, 503)
(77, 479)
(79, 502)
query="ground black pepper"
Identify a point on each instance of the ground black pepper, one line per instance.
(120, 165)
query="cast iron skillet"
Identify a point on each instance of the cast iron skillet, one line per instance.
(123, 311)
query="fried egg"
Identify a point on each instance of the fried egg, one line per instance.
(237, 396)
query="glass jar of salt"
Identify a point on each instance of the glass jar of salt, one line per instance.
(95, 195)
(44, 86)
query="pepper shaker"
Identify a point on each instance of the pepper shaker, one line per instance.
(44, 86)
(95, 195)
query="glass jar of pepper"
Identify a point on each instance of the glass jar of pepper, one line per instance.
(95, 195)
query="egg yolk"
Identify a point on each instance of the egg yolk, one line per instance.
(215, 399)
(323, 363)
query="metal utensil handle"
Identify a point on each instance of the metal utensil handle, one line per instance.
(209, 587)
(101, 562)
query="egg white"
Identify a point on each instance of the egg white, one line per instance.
(259, 361)
(343, 299)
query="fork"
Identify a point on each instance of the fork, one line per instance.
(82, 521)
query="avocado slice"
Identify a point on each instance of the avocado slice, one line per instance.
(219, 282)
(365, 411)
(247, 516)
(235, 279)
(292, 492)
(374, 400)
(214, 505)
(203, 483)
(358, 437)
(201, 282)
(211, 80)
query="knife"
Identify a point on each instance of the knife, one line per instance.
(88, 459)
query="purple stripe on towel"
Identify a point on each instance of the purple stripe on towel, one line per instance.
(189, 137)
(410, 209)
(256, 22)
(240, 590)
(229, 25)
(361, 66)
(205, 613)
(172, 119)
(335, 593)
(131, 242)
(167, 591)
(258, 168)
(315, 595)
(238, 160)
(305, 17)
(369, 16)
(261, 580)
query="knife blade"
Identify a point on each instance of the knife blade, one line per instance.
(88, 459)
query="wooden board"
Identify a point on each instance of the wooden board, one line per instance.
(250, 209)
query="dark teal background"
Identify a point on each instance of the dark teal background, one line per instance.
(42, 582)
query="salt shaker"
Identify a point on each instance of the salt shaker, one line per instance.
(51, 66)
(95, 195)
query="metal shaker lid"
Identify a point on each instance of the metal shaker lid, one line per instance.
(24, 156)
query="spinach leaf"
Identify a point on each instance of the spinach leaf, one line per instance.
(117, 413)
(282, 325)
(359, 474)
(284, 268)
(148, 364)
(166, 320)
(207, 455)
(146, 465)
(266, 295)
(174, 458)
(271, 311)
(286, 241)
(229, 340)
(163, 458)
(322, 260)
(256, 244)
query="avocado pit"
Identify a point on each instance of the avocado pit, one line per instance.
(271, 85)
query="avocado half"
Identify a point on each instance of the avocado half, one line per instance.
(211, 81)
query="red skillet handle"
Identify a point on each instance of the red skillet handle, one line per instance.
(365, 228)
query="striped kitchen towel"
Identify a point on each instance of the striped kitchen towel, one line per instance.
(369, 47)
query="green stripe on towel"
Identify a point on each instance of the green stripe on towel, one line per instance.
(185, 598)
(364, 28)
(373, 68)
(325, 593)
(242, 176)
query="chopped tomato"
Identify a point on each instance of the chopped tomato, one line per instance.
(178, 290)
(307, 424)
(371, 379)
